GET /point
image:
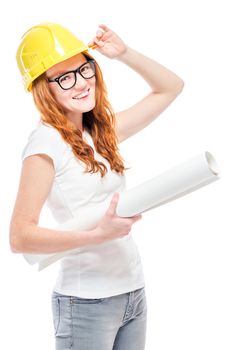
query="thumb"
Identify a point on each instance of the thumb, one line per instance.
(92, 45)
(113, 204)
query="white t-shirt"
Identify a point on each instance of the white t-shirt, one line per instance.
(95, 271)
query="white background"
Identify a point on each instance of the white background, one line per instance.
(186, 246)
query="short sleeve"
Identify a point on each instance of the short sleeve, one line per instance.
(45, 140)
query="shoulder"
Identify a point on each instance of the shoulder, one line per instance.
(45, 131)
(45, 139)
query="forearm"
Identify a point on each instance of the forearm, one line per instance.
(39, 240)
(159, 78)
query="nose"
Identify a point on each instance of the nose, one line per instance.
(81, 82)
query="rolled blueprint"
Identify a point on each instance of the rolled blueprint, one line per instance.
(170, 185)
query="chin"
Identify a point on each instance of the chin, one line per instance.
(88, 109)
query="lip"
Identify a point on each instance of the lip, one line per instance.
(76, 97)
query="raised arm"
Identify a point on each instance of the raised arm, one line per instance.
(165, 84)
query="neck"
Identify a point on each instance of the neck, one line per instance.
(76, 119)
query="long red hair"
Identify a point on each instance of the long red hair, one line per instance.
(100, 123)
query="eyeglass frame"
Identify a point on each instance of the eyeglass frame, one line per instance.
(75, 71)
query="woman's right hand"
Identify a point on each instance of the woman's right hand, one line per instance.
(112, 226)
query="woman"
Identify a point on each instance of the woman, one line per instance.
(72, 161)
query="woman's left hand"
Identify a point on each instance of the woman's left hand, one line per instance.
(108, 42)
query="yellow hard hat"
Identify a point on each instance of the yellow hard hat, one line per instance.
(42, 46)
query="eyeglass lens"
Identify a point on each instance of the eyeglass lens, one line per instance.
(68, 80)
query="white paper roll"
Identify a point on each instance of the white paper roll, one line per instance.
(170, 185)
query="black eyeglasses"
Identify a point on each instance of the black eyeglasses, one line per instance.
(67, 80)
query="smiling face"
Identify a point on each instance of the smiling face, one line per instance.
(81, 97)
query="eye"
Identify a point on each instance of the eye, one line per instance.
(65, 78)
(85, 68)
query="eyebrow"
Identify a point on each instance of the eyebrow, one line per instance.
(67, 71)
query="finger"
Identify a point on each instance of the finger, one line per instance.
(104, 27)
(139, 216)
(100, 43)
(99, 33)
(106, 36)
(136, 218)
(91, 43)
(113, 204)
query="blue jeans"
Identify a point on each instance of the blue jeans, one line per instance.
(113, 323)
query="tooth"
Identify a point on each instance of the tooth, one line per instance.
(81, 95)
